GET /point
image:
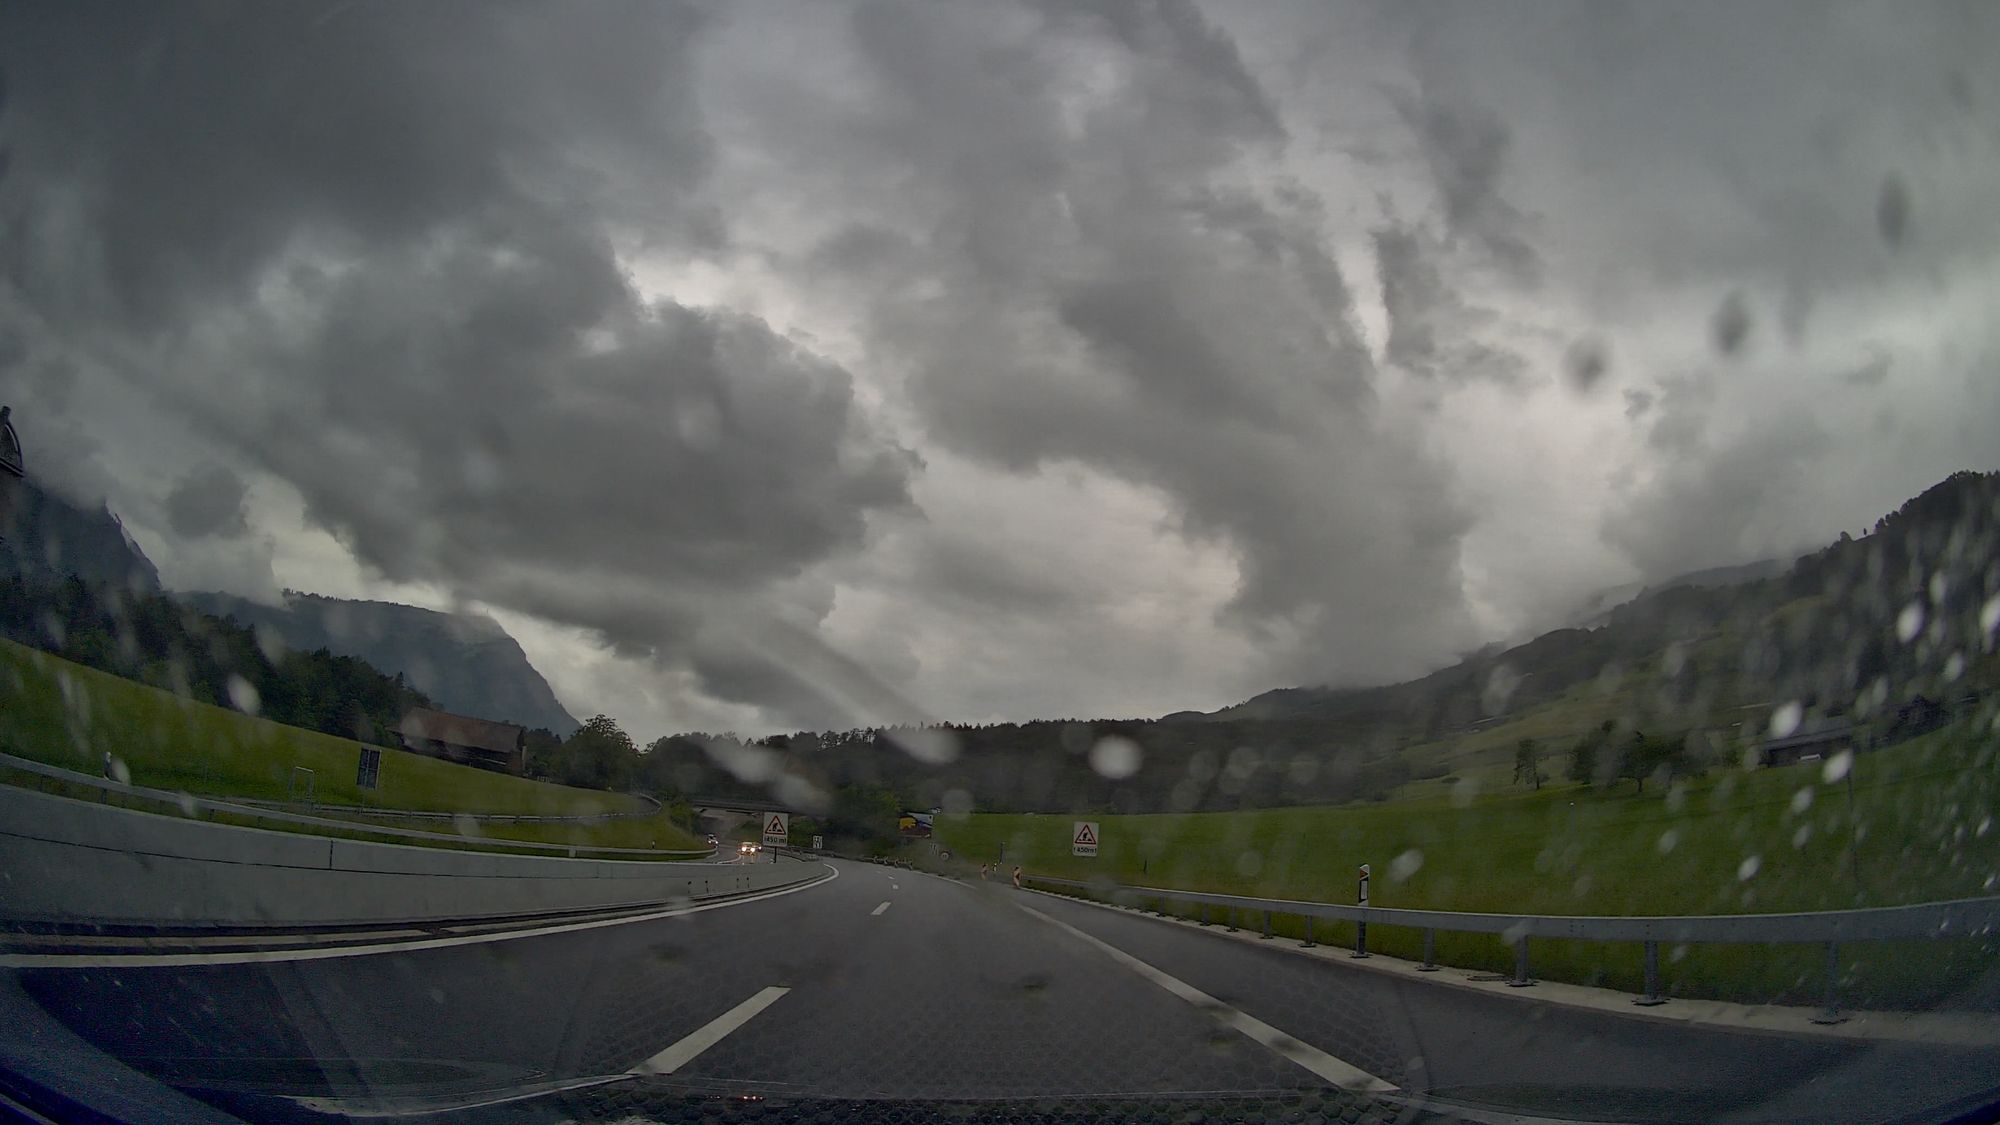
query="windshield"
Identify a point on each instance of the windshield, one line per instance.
(1004, 558)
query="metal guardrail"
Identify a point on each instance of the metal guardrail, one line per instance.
(188, 804)
(1970, 917)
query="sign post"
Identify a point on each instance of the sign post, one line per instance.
(1083, 838)
(777, 828)
(1361, 927)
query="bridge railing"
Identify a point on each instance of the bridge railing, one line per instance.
(1971, 917)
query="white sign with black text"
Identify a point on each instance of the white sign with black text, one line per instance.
(777, 828)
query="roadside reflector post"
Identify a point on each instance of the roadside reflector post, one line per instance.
(1430, 964)
(1361, 924)
(1521, 979)
(1267, 925)
(1308, 943)
(1831, 1013)
(1652, 995)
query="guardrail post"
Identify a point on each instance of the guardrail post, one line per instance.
(1831, 1013)
(1229, 915)
(1360, 941)
(1652, 996)
(1207, 915)
(1430, 964)
(1521, 979)
(1308, 943)
(1267, 925)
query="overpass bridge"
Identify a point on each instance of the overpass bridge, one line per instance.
(747, 805)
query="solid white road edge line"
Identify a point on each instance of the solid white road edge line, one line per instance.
(270, 956)
(1342, 1074)
(878, 910)
(709, 1034)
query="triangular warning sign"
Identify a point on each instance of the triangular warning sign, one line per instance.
(1084, 835)
(777, 825)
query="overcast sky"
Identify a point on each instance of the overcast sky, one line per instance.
(765, 365)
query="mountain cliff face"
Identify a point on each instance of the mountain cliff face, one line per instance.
(469, 665)
(48, 535)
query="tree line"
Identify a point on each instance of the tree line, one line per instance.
(156, 640)
(1603, 756)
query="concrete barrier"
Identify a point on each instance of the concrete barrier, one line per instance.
(70, 861)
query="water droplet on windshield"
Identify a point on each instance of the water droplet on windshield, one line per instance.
(1800, 837)
(1938, 588)
(120, 772)
(956, 802)
(1892, 210)
(1500, 685)
(1669, 840)
(243, 695)
(1731, 324)
(1785, 720)
(1115, 757)
(1249, 863)
(1954, 666)
(1837, 766)
(1747, 870)
(1803, 799)
(1587, 361)
(1910, 622)
(1464, 791)
(1989, 615)
(934, 745)
(1405, 865)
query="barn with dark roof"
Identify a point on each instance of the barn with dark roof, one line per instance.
(462, 738)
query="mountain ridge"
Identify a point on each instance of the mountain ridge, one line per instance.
(468, 664)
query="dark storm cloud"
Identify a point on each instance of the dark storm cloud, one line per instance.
(1111, 294)
(207, 501)
(1431, 327)
(370, 248)
(1465, 146)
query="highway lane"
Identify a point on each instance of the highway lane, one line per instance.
(949, 991)
(1506, 1049)
(883, 983)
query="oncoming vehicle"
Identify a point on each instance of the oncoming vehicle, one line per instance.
(748, 848)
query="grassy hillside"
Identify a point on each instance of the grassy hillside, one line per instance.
(68, 715)
(1765, 840)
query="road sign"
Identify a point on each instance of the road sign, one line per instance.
(819, 843)
(1083, 838)
(777, 828)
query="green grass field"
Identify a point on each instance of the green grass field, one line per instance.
(1734, 842)
(67, 715)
